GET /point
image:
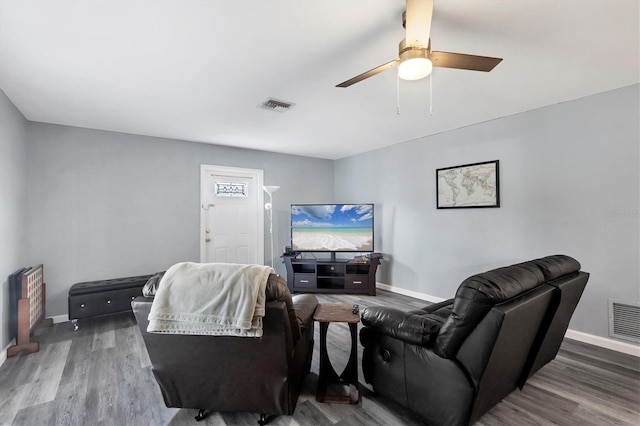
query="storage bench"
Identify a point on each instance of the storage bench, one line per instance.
(103, 297)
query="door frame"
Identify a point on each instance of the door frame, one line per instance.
(258, 175)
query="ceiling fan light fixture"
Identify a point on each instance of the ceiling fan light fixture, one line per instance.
(415, 57)
(414, 64)
(414, 68)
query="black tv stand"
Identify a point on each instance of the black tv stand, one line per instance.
(332, 275)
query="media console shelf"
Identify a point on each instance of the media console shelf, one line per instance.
(331, 276)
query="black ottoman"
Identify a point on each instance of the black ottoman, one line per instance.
(103, 297)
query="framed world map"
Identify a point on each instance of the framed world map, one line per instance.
(468, 186)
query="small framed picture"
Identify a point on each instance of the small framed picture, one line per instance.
(468, 186)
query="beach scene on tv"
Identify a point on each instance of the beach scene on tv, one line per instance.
(332, 227)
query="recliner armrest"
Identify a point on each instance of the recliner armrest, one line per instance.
(437, 306)
(304, 306)
(410, 327)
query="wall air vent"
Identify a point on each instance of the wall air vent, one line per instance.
(276, 105)
(624, 320)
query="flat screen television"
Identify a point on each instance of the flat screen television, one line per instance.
(332, 227)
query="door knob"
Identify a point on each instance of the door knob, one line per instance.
(208, 240)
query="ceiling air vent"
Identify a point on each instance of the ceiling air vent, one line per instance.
(624, 320)
(276, 105)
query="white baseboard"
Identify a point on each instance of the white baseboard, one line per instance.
(60, 318)
(3, 355)
(603, 342)
(410, 293)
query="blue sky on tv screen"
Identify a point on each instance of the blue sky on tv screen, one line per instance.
(332, 215)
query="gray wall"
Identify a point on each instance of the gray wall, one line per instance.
(107, 205)
(13, 190)
(569, 183)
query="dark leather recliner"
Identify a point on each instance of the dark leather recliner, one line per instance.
(453, 361)
(222, 373)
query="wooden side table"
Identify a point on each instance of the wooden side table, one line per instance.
(325, 314)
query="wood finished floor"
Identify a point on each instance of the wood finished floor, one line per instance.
(100, 375)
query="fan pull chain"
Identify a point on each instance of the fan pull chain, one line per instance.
(398, 92)
(431, 94)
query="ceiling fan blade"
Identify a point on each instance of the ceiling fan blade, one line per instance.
(418, 22)
(372, 72)
(463, 61)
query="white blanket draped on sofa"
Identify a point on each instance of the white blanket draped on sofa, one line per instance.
(220, 299)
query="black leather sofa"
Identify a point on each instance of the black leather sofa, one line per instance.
(242, 374)
(451, 362)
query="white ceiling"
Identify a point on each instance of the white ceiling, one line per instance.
(197, 70)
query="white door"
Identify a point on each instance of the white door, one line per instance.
(231, 215)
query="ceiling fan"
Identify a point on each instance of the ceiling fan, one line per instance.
(415, 57)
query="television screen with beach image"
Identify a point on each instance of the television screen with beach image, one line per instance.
(332, 227)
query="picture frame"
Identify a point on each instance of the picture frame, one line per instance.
(475, 185)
